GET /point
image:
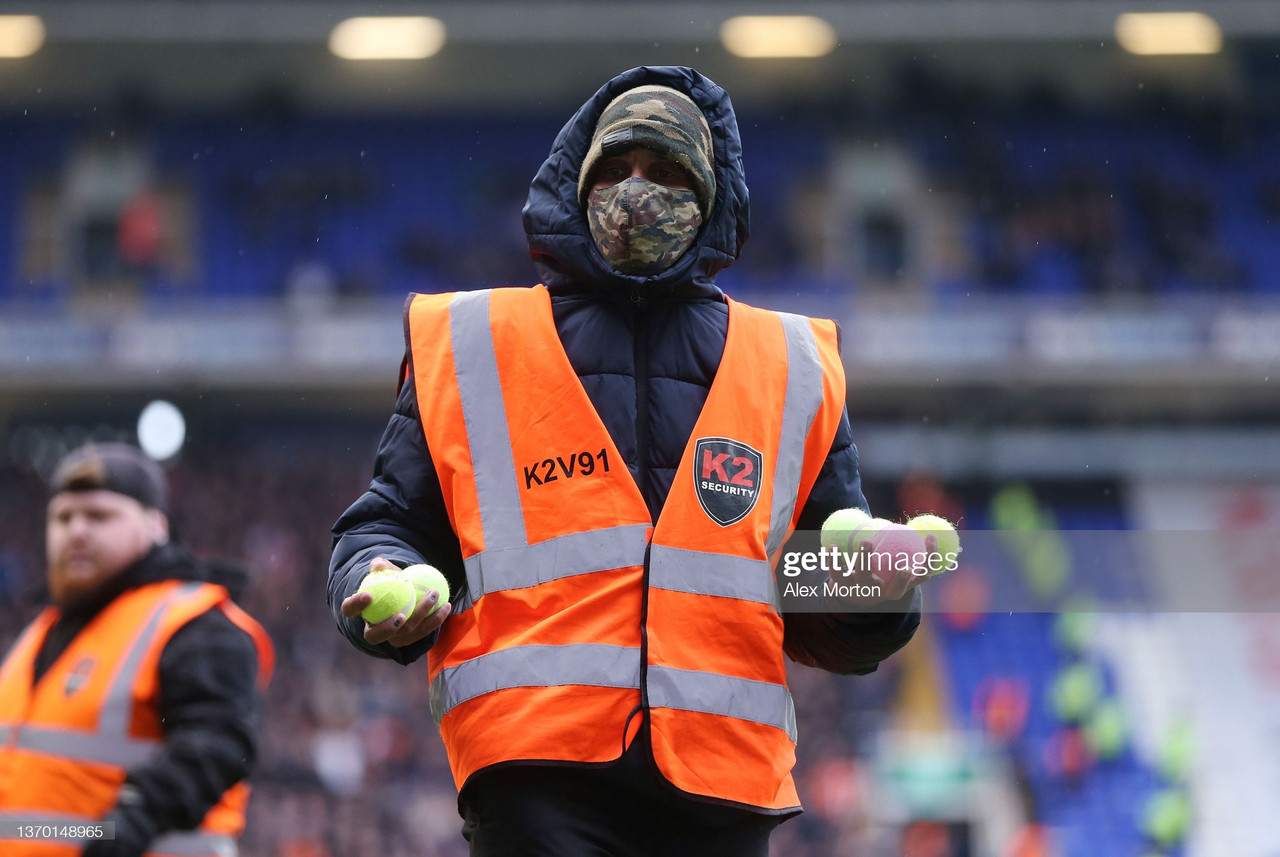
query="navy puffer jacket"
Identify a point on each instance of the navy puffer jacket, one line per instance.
(646, 349)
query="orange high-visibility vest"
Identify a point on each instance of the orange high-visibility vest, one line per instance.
(67, 742)
(579, 612)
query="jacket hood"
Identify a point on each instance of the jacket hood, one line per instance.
(559, 239)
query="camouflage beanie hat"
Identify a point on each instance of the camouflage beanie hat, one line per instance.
(658, 118)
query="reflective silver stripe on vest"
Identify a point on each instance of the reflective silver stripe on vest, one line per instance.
(508, 561)
(5, 732)
(114, 719)
(194, 843)
(803, 400)
(104, 749)
(712, 693)
(111, 743)
(564, 556)
(535, 666)
(485, 415)
(701, 573)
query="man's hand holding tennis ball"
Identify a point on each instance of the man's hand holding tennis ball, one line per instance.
(892, 557)
(399, 606)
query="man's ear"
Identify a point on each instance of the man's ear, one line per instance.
(158, 526)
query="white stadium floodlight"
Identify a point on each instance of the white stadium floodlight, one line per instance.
(387, 38)
(161, 430)
(777, 36)
(1168, 33)
(20, 35)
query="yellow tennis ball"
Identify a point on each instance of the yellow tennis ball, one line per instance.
(948, 538)
(866, 531)
(425, 578)
(392, 594)
(841, 524)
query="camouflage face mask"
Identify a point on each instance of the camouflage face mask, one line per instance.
(641, 227)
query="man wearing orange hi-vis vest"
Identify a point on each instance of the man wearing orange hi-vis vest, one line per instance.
(128, 708)
(606, 467)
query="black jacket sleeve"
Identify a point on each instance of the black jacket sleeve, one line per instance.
(846, 643)
(402, 517)
(210, 709)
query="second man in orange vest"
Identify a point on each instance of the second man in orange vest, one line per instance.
(128, 708)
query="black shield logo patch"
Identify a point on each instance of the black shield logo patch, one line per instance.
(726, 477)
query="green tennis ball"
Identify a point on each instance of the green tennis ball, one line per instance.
(1107, 730)
(1074, 626)
(841, 524)
(425, 578)
(867, 531)
(1166, 817)
(392, 594)
(1074, 692)
(948, 538)
(1178, 753)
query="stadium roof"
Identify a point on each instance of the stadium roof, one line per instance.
(550, 54)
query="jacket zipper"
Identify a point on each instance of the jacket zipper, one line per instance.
(640, 351)
(644, 642)
(640, 332)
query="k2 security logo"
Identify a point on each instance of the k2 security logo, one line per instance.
(726, 476)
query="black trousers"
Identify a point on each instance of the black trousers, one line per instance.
(625, 810)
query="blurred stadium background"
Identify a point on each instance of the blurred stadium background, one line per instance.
(1051, 234)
